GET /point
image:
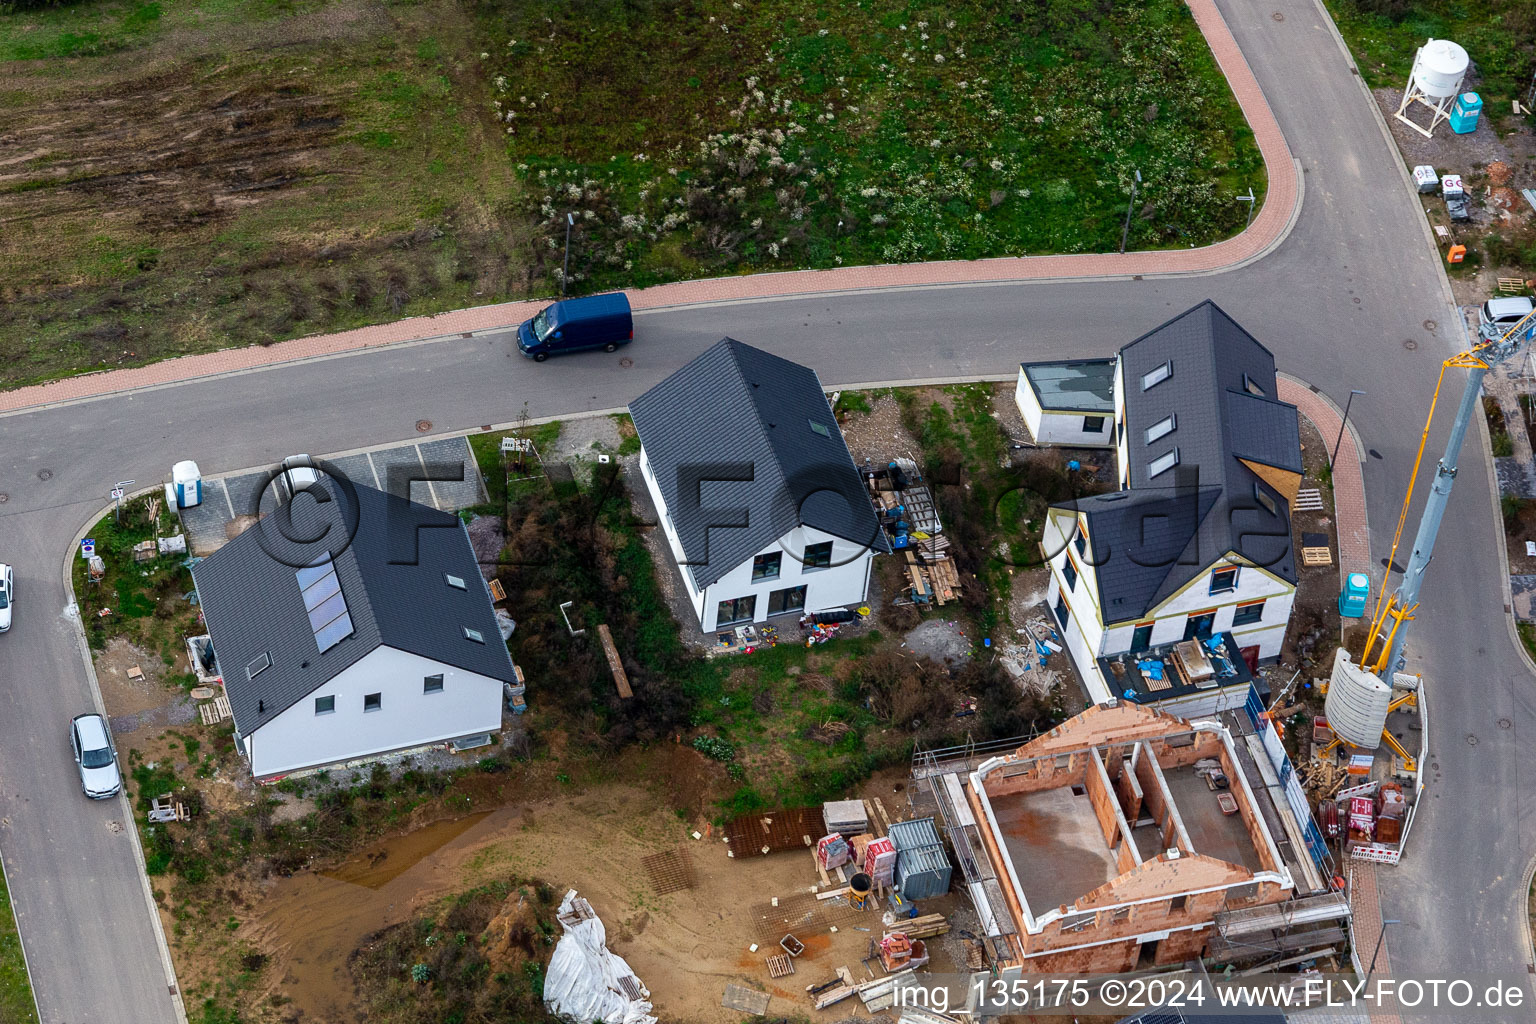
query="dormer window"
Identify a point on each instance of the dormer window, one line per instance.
(1163, 427)
(1155, 376)
(1163, 463)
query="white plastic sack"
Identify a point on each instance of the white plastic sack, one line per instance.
(587, 981)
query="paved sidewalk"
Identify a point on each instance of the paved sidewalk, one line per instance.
(1269, 227)
(1348, 475)
(1365, 928)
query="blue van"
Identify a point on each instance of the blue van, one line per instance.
(575, 325)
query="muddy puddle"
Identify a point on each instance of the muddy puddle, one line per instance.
(314, 921)
(396, 856)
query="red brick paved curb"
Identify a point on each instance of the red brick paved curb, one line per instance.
(1269, 227)
(1348, 477)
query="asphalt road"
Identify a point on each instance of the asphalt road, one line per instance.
(1339, 302)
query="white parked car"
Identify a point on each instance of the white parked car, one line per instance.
(7, 596)
(1496, 316)
(96, 757)
(299, 473)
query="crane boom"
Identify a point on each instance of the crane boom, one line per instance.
(1403, 602)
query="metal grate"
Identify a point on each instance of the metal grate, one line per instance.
(670, 871)
(792, 828)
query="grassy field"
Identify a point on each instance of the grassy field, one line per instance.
(1499, 35)
(794, 133)
(16, 1005)
(182, 176)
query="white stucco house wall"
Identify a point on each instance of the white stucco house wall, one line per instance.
(763, 509)
(1070, 402)
(1197, 543)
(381, 637)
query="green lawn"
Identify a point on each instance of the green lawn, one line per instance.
(1499, 36)
(16, 1005)
(186, 176)
(793, 133)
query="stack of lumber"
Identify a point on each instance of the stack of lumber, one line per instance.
(925, 927)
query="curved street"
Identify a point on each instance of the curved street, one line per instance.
(1353, 298)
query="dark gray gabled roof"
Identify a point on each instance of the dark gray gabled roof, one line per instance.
(761, 429)
(393, 576)
(1207, 506)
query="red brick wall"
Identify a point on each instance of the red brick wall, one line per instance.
(1110, 958)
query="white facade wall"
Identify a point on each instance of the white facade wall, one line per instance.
(1122, 444)
(1090, 639)
(1060, 426)
(407, 717)
(845, 582)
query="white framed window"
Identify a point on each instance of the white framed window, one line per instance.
(1163, 427)
(373, 701)
(456, 582)
(432, 684)
(1155, 376)
(1163, 463)
(325, 705)
(474, 634)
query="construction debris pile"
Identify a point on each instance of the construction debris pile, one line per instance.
(905, 507)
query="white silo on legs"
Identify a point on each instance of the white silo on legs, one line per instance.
(1438, 69)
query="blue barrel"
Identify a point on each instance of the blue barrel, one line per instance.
(1465, 112)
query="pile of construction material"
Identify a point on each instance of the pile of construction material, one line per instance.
(847, 817)
(832, 852)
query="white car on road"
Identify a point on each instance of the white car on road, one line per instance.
(94, 754)
(7, 596)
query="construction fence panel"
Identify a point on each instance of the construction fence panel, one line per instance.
(1295, 796)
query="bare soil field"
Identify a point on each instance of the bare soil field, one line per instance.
(184, 177)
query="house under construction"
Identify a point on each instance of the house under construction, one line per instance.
(1128, 838)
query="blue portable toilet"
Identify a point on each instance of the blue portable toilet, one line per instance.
(1357, 588)
(188, 483)
(1464, 113)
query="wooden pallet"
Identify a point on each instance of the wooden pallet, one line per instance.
(1316, 556)
(780, 966)
(1511, 285)
(1308, 500)
(216, 711)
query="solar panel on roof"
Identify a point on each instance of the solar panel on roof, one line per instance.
(325, 603)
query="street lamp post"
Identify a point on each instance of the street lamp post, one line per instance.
(1125, 232)
(1340, 439)
(565, 274)
(1380, 935)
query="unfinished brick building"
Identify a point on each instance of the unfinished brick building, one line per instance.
(1108, 847)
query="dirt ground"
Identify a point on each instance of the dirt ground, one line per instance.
(685, 946)
(1497, 204)
(879, 436)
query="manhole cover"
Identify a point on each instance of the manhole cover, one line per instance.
(1410, 344)
(115, 827)
(1430, 325)
(1471, 739)
(1355, 300)
(1505, 723)
(1278, 16)
(45, 474)
(422, 426)
(626, 362)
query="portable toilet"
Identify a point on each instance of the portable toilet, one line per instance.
(188, 483)
(1465, 112)
(1357, 587)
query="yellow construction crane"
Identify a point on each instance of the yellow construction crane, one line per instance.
(1398, 607)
